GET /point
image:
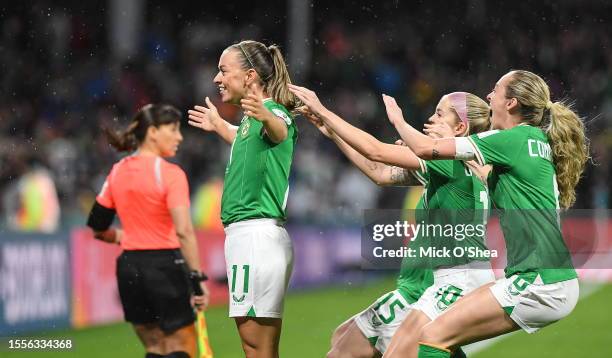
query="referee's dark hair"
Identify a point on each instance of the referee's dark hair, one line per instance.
(129, 139)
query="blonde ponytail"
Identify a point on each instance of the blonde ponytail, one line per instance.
(570, 149)
(562, 125)
(276, 86)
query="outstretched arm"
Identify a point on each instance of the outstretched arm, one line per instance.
(364, 143)
(380, 173)
(423, 146)
(207, 118)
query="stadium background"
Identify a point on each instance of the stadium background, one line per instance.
(71, 67)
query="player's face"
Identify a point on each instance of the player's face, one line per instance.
(231, 79)
(167, 138)
(446, 114)
(498, 102)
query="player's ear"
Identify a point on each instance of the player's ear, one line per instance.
(512, 104)
(460, 128)
(251, 77)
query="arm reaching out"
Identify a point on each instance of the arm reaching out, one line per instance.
(208, 119)
(364, 143)
(422, 145)
(380, 173)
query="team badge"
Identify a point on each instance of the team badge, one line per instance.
(244, 132)
(376, 321)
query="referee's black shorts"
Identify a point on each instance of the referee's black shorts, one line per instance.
(154, 288)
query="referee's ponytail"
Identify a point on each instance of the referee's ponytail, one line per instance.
(133, 136)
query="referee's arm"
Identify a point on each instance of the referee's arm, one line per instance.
(186, 235)
(100, 221)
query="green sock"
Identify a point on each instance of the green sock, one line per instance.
(426, 351)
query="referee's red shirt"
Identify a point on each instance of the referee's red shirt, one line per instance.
(143, 189)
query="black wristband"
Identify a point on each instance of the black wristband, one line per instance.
(195, 277)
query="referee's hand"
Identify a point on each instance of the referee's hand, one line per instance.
(200, 302)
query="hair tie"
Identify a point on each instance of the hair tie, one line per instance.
(549, 104)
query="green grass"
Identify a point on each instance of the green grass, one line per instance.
(586, 332)
(310, 318)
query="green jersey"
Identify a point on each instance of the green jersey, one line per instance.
(450, 189)
(412, 281)
(524, 178)
(257, 175)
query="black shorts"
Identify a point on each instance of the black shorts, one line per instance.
(154, 288)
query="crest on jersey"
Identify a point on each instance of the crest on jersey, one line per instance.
(244, 132)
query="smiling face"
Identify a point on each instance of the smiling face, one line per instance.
(446, 114)
(232, 78)
(499, 103)
(166, 138)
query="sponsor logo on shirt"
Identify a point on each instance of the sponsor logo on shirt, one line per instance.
(283, 115)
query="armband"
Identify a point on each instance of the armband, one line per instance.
(100, 218)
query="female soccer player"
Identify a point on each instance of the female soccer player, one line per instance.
(151, 197)
(258, 250)
(448, 185)
(538, 151)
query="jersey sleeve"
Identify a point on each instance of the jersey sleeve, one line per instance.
(105, 196)
(443, 168)
(177, 187)
(421, 174)
(495, 147)
(280, 111)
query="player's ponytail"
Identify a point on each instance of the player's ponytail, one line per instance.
(134, 135)
(478, 114)
(565, 130)
(570, 149)
(277, 85)
(270, 66)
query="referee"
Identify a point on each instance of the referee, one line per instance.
(159, 266)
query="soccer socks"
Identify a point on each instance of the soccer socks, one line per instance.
(177, 354)
(430, 351)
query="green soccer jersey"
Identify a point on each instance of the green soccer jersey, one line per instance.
(523, 185)
(257, 174)
(412, 281)
(451, 190)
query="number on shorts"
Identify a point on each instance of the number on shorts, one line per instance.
(392, 305)
(447, 295)
(518, 285)
(245, 285)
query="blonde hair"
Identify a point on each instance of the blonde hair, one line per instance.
(562, 125)
(270, 66)
(478, 113)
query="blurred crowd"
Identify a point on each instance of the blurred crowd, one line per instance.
(61, 83)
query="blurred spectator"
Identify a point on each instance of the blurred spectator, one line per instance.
(60, 84)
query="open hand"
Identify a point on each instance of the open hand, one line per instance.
(438, 130)
(205, 117)
(394, 112)
(308, 97)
